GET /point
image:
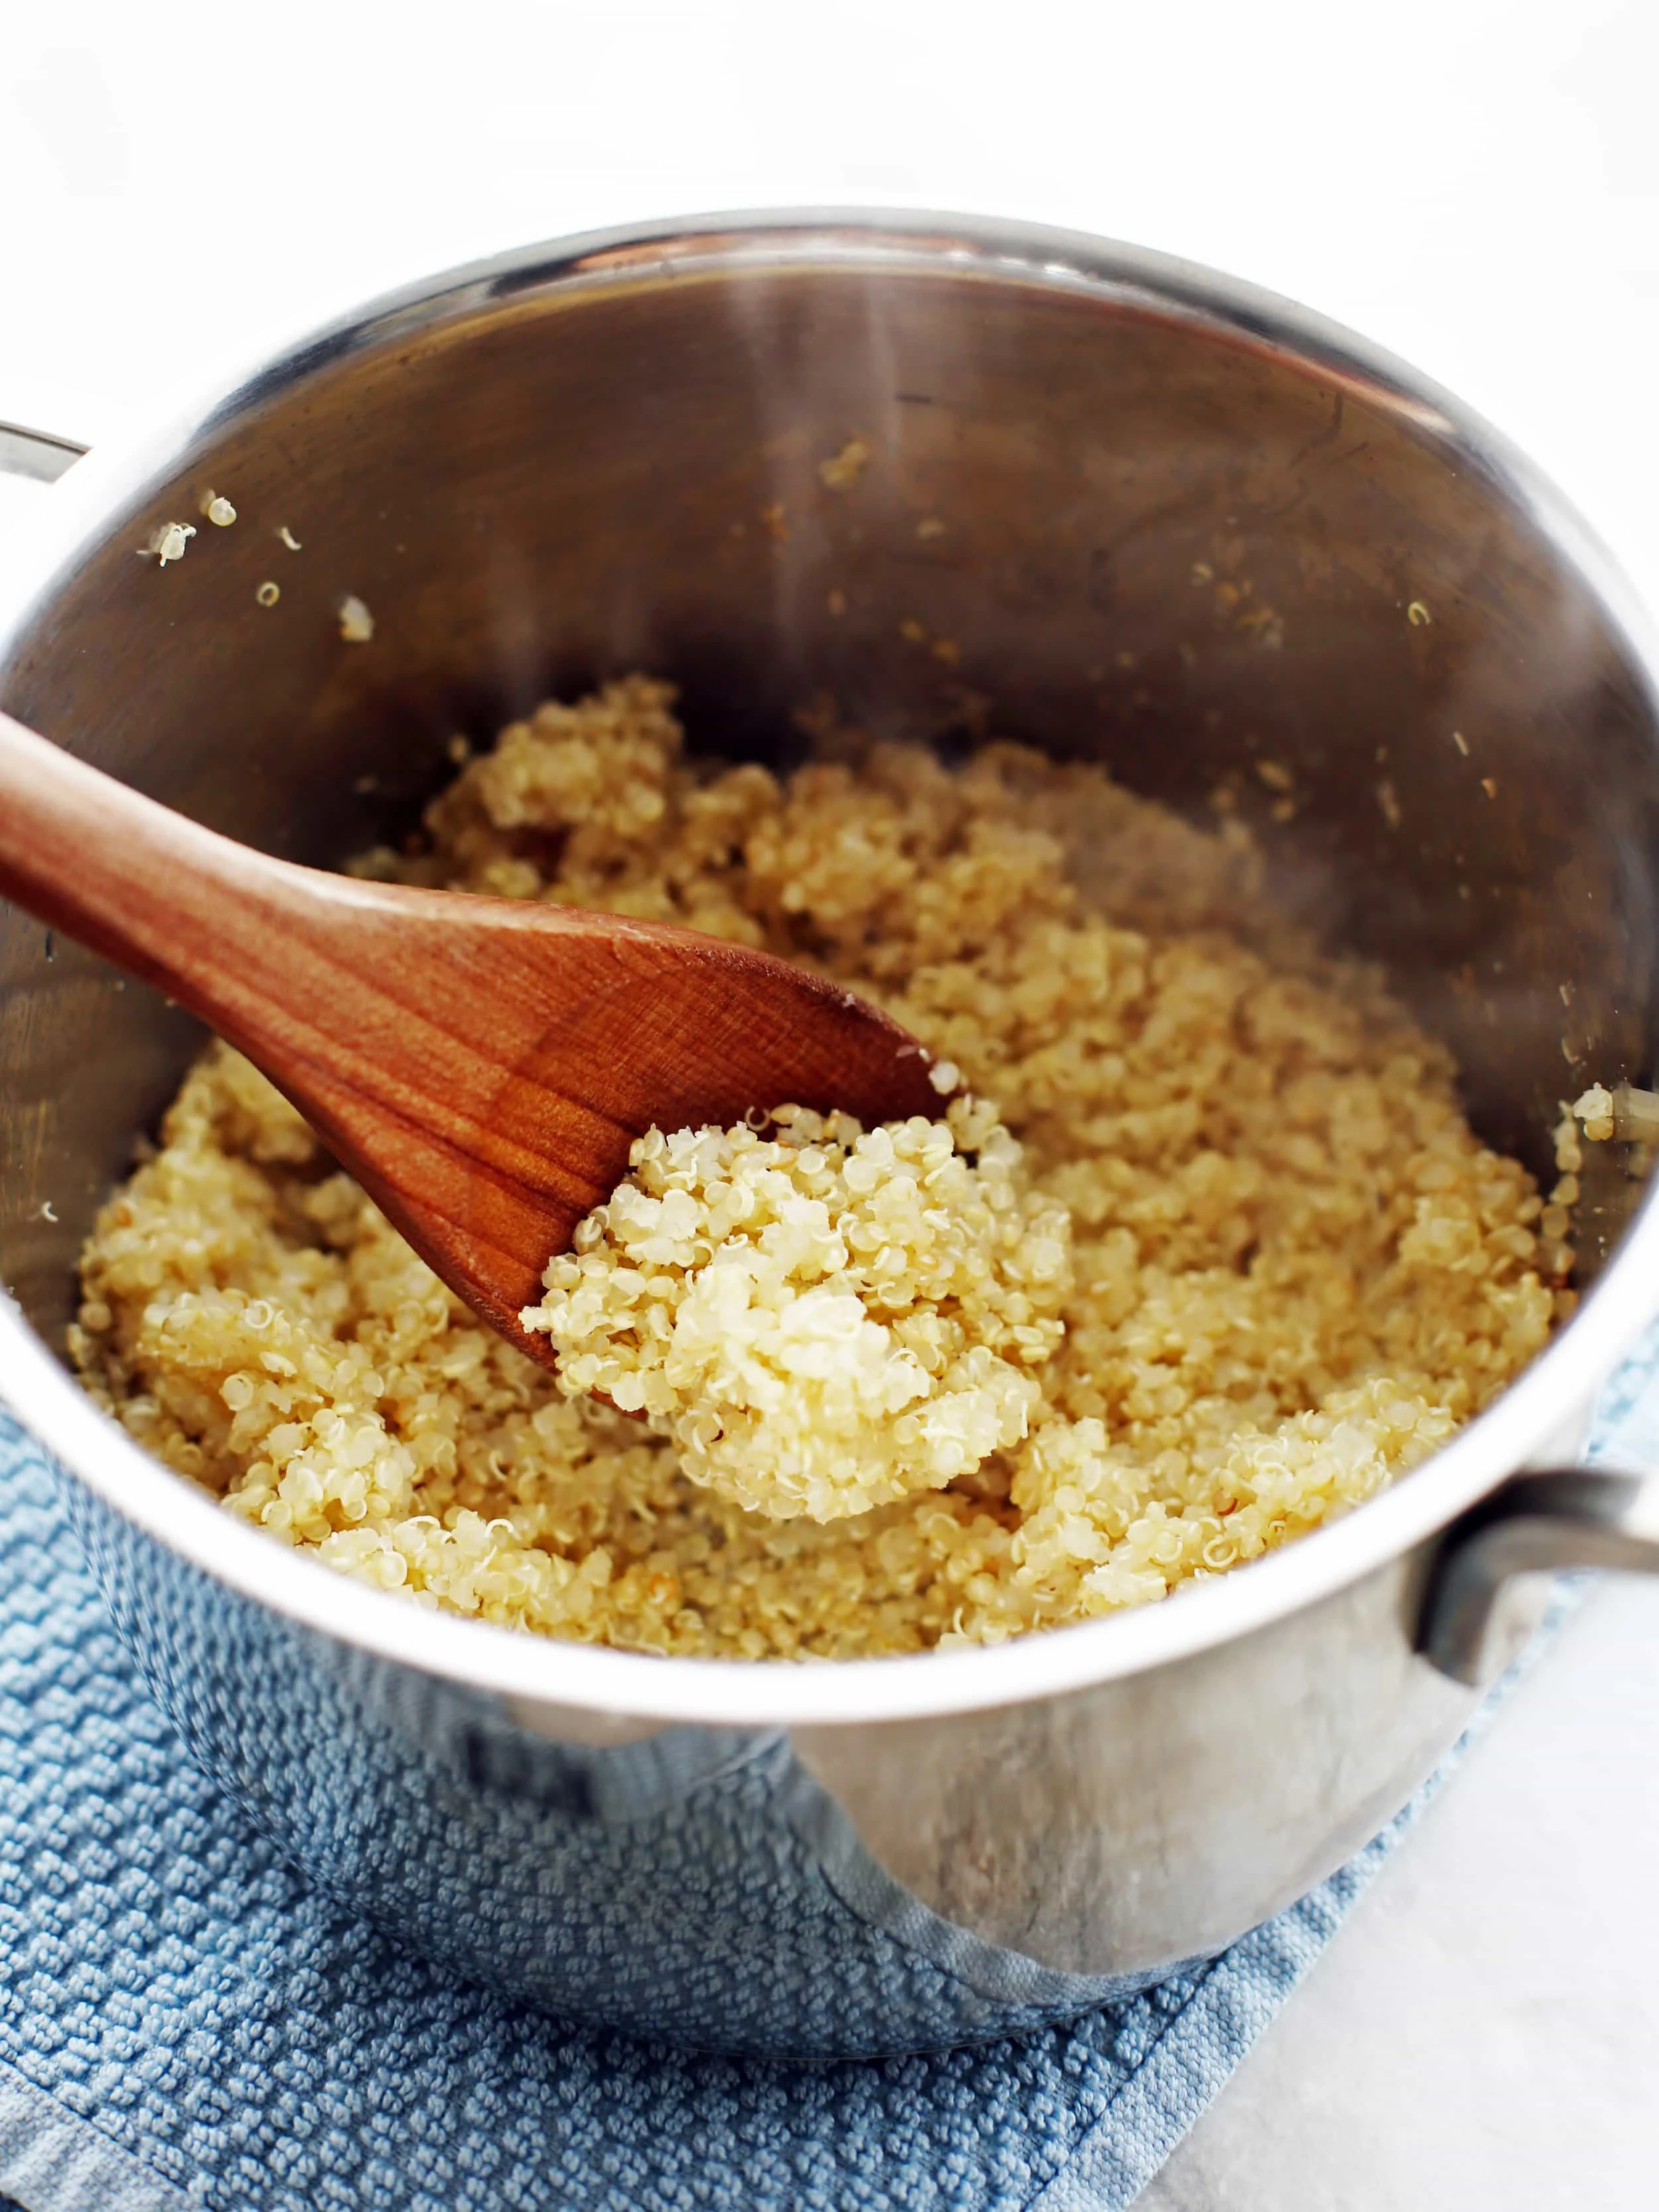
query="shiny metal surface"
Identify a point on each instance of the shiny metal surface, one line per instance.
(1188, 529)
(37, 454)
(1538, 1524)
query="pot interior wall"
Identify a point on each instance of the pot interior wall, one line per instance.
(1105, 526)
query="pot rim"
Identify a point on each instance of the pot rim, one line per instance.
(1550, 1395)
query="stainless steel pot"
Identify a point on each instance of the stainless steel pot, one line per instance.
(603, 455)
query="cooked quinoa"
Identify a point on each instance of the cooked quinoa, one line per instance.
(1292, 1270)
(823, 1319)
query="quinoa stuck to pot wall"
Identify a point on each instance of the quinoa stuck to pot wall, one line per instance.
(1252, 1263)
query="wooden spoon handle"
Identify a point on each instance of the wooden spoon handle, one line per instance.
(159, 895)
(389, 1016)
(327, 983)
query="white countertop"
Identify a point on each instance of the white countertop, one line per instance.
(1473, 183)
(1482, 2034)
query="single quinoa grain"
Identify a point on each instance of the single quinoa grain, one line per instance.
(1594, 1109)
(1244, 1260)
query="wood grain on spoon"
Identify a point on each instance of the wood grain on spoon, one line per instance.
(480, 1066)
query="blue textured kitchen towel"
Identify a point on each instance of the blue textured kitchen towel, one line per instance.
(183, 2023)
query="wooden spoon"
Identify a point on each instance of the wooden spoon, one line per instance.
(480, 1066)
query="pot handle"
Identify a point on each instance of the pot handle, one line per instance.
(1535, 1524)
(36, 453)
